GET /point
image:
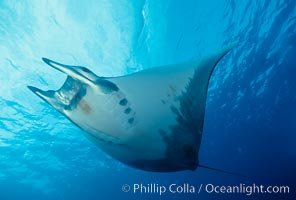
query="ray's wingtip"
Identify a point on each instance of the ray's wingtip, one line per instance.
(231, 45)
(234, 43)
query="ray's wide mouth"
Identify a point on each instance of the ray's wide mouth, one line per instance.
(71, 93)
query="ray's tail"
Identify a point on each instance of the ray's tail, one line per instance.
(223, 171)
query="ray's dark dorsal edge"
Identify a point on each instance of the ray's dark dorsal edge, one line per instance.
(150, 120)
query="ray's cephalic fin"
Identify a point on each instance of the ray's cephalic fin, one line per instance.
(76, 75)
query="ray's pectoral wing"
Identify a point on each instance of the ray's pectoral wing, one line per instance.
(193, 99)
(186, 134)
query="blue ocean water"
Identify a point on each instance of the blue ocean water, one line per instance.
(250, 122)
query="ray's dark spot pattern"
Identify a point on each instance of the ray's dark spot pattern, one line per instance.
(123, 102)
(131, 120)
(128, 110)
